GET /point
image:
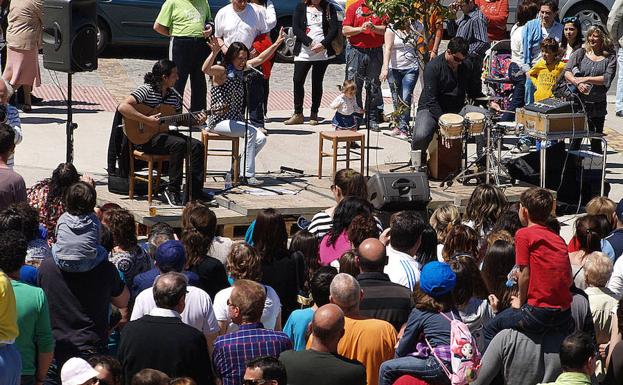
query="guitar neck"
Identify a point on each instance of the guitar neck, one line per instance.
(180, 117)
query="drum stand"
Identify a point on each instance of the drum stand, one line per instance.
(493, 165)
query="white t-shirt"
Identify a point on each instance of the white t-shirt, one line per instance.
(554, 31)
(345, 105)
(269, 14)
(272, 308)
(517, 44)
(403, 56)
(314, 31)
(245, 26)
(616, 279)
(402, 268)
(198, 313)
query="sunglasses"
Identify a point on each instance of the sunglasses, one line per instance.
(96, 381)
(253, 382)
(457, 59)
(569, 19)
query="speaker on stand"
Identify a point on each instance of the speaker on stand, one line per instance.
(70, 46)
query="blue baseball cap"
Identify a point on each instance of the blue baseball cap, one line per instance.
(171, 256)
(437, 279)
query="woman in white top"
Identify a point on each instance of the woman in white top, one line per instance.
(526, 11)
(401, 69)
(244, 262)
(315, 26)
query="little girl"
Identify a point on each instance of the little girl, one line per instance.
(346, 107)
(432, 297)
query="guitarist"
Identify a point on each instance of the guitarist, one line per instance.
(157, 90)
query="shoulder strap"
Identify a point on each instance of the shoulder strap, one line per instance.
(443, 366)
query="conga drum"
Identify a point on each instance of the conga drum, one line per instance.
(446, 148)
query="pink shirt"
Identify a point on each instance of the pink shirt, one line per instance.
(328, 253)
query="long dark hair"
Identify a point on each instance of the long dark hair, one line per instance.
(306, 244)
(63, 176)
(233, 51)
(579, 40)
(588, 232)
(270, 236)
(344, 214)
(162, 67)
(198, 234)
(498, 262)
(427, 251)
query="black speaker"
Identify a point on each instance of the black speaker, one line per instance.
(399, 191)
(70, 35)
(564, 173)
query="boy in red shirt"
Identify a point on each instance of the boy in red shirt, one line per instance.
(544, 267)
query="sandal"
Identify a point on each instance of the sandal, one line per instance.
(26, 108)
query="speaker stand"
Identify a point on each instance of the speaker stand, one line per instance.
(71, 126)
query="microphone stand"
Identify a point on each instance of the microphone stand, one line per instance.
(189, 175)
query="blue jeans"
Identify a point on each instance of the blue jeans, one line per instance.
(426, 369)
(619, 102)
(402, 83)
(10, 365)
(539, 320)
(362, 64)
(519, 90)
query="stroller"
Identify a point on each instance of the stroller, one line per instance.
(496, 82)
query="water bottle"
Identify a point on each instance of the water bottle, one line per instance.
(228, 180)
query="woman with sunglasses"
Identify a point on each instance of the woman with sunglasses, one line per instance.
(591, 70)
(572, 38)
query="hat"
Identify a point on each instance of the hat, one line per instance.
(77, 371)
(437, 279)
(619, 211)
(171, 256)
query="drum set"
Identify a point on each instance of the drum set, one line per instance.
(475, 125)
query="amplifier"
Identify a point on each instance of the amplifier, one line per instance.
(541, 124)
(551, 106)
(399, 191)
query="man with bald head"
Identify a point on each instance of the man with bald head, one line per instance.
(382, 299)
(160, 340)
(322, 356)
(369, 341)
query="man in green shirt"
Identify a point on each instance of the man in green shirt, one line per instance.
(577, 359)
(185, 22)
(35, 342)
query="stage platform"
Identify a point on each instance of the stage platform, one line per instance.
(293, 196)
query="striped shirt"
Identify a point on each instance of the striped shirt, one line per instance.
(146, 94)
(473, 28)
(12, 119)
(402, 268)
(233, 350)
(322, 223)
(383, 299)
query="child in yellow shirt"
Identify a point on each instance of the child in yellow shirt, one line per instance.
(547, 70)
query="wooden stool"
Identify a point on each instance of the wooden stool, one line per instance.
(336, 137)
(234, 153)
(151, 159)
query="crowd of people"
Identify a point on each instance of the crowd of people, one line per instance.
(345, 299)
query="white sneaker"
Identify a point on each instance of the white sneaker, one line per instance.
(253, 181)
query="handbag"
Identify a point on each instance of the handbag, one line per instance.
(337, 44)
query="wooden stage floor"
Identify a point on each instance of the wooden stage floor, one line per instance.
(293, 196)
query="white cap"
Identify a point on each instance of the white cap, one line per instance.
(77, 371)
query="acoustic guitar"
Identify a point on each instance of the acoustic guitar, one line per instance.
(140, 133)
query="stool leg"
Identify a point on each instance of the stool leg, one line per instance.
(158, 175)
(235, 145)
(320, 142)
(363, 152)
(150, 166)
(334, 156)
(348, 154)
(204, 139)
